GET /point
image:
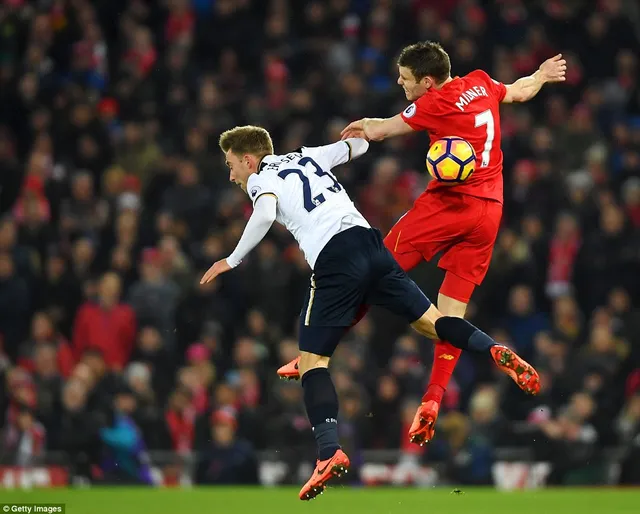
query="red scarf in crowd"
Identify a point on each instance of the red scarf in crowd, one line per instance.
(182, 428)
(562, 256)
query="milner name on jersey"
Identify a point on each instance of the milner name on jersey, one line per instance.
(469, 96)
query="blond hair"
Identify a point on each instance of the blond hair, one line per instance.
(247, 139)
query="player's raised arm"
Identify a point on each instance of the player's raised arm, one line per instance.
(264, 214)
(525, 88)
(376, 129)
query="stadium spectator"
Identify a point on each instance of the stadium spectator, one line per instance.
(227, 460)
(125, 459)
(24, 440)
(154, 298)
(77, 433)
(107, 325)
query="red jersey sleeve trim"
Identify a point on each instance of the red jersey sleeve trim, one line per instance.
(498, 88)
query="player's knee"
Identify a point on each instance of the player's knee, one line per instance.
(425, 325)
(451, 307)
(309, 361)
(455, 293)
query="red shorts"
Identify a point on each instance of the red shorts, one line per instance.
(464, 228)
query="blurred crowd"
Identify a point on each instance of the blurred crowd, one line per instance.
(115, 199)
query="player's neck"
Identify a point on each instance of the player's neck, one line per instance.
(260, 163)
(441, 85)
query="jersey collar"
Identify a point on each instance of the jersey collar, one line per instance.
(453, 79)
(266, 160)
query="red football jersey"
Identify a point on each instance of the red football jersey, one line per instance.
(467, 107)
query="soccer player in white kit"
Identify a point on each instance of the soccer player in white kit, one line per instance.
(350, 267)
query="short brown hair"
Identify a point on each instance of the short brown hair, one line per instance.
(426, 59)
(247, 139)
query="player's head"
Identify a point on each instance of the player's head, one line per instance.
(244, 147)
(421, 66)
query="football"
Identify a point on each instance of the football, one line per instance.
(451, 159)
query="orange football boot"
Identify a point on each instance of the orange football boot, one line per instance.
(325, 470)
(423, 427)
(290, 370)
(520, 371)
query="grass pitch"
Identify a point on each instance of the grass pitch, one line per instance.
(336, 500)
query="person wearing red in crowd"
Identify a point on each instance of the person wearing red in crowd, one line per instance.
(461, 221)
(180, 419)
(43, 332)
(106, 324)
(180, 23)
(142, 55)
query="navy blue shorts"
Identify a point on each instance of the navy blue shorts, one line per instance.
(353, 269)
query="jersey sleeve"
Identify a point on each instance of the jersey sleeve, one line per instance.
(264, 214)
(420, 115)
(259, 185)
(497, 89)
(330, 156)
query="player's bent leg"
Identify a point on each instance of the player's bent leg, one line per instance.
(308, 361)
(422, 429)
(445, 358)
(426, 323)
(291, 370)
(317, 344)
(462, 334)
(445, 355)
(398, 293)
(406, 260)
(301, 364)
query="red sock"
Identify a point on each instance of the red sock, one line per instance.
(445, 358)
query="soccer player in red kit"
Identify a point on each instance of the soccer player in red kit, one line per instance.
(460, 220)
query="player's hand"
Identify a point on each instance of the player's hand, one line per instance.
(554, 69)
(354, 129)
(218, 268)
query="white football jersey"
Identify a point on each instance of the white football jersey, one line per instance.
(312, 204)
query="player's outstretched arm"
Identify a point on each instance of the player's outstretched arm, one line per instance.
(525, 88)
(264, 214)
(337, 153)
(376, 129)
(357, 147)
